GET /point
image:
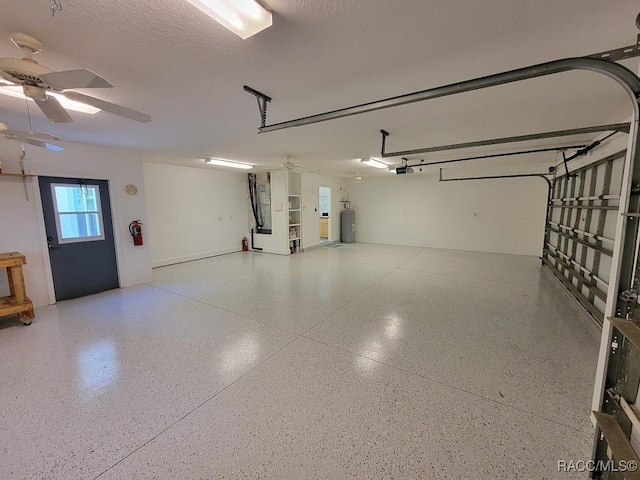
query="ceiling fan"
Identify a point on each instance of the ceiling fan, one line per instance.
(289, 166)
(355, 179)
(38, 82)
(38, 139)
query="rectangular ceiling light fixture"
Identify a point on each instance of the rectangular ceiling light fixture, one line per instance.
(16, 92)
(242, 17)
(372, 162)
(227, 163)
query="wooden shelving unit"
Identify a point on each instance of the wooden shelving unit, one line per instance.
(295, 211)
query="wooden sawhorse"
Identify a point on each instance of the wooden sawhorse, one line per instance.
(17, 302)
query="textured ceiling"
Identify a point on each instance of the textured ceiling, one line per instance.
(166, 58)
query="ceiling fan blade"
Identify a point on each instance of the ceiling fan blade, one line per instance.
(309, 169)
(49, 146)
(75, 79)
(109, 107)
(32, 141)
(53, 110)
(34, 135)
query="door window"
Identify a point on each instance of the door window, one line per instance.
(78, 212)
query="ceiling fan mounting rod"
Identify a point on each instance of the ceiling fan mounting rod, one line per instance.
(26, 43)
(615, 127)
(625, 77)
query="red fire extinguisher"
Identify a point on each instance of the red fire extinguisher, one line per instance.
(245, 244)
(135, 228)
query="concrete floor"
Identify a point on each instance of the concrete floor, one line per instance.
(364, 361)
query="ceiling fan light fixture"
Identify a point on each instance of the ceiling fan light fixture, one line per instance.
(17, 92)
(243, 17)
(53, 147)
(372, 162)
(227, 163)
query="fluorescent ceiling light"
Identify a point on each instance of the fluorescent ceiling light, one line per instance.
(16, 92)
(227, 163)
(372, 162)
(242, 17)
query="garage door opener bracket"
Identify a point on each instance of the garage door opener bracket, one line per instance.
(263, 100)
(603, 62)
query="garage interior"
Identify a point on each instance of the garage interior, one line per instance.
(201, 301)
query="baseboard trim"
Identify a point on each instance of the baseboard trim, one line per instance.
(190, 258)
(272, 252)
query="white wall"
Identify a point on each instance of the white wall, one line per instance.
(21, 221)
(505, 216)
(194, 213)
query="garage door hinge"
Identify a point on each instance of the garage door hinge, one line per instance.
(614, 344)
(630, 298)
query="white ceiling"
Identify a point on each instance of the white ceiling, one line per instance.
(166, 58)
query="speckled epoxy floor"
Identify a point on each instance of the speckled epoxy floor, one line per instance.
(365, 361)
